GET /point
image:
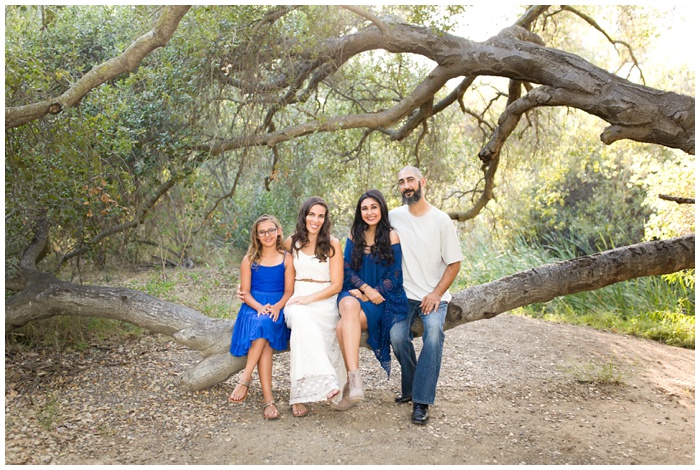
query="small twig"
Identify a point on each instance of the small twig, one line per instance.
(677, 200)
(422, 135)
(355, 152)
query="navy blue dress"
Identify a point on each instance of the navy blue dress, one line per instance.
(267, 287)
(388, 281)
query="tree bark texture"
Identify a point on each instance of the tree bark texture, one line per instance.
(47, 296)
(587, 273)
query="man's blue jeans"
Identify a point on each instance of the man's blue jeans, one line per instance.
(419, 378)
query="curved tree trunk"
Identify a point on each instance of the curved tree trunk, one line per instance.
(46, 296)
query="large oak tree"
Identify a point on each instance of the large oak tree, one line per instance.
(266, 77)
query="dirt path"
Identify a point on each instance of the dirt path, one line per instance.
(510, 392)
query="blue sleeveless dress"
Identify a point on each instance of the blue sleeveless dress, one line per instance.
(266, 286)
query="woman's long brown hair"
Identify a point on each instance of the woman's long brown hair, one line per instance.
(300, 238)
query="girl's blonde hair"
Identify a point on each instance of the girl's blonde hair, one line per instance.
(255, 249)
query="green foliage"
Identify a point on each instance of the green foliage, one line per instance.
(92, 167)
(47, 48)
(214, 310)
(667, 218)
(631, 314)
(160, 288)
(438, 17)
(578, 189)
(207, 290)
(49, 413)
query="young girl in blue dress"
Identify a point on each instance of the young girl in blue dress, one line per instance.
(267, 282)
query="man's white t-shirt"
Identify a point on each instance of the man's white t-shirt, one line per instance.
(428, 243)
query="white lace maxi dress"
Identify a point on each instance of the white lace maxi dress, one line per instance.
(316, 363)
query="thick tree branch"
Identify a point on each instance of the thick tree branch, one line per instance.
(490, 154)
(544, 283)
(37, 248)
(531, 15)
(634, 111)
(211, 337)
(422, 93)
(417, 117)
(159, 36)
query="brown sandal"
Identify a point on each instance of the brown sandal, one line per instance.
(244, 383)
(268, 404)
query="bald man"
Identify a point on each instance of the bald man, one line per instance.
(431, 260)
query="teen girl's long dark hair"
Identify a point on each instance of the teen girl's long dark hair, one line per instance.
(382, 243)
(300, 238)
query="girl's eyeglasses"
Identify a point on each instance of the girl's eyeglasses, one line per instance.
(262, 233)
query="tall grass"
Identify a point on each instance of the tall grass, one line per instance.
(661, 308)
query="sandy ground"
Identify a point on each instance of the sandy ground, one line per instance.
(512, 390)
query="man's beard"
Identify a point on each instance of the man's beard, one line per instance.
(410, 200)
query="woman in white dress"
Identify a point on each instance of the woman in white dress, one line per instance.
(316, 363)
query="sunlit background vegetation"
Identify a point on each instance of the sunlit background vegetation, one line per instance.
(561, 193)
